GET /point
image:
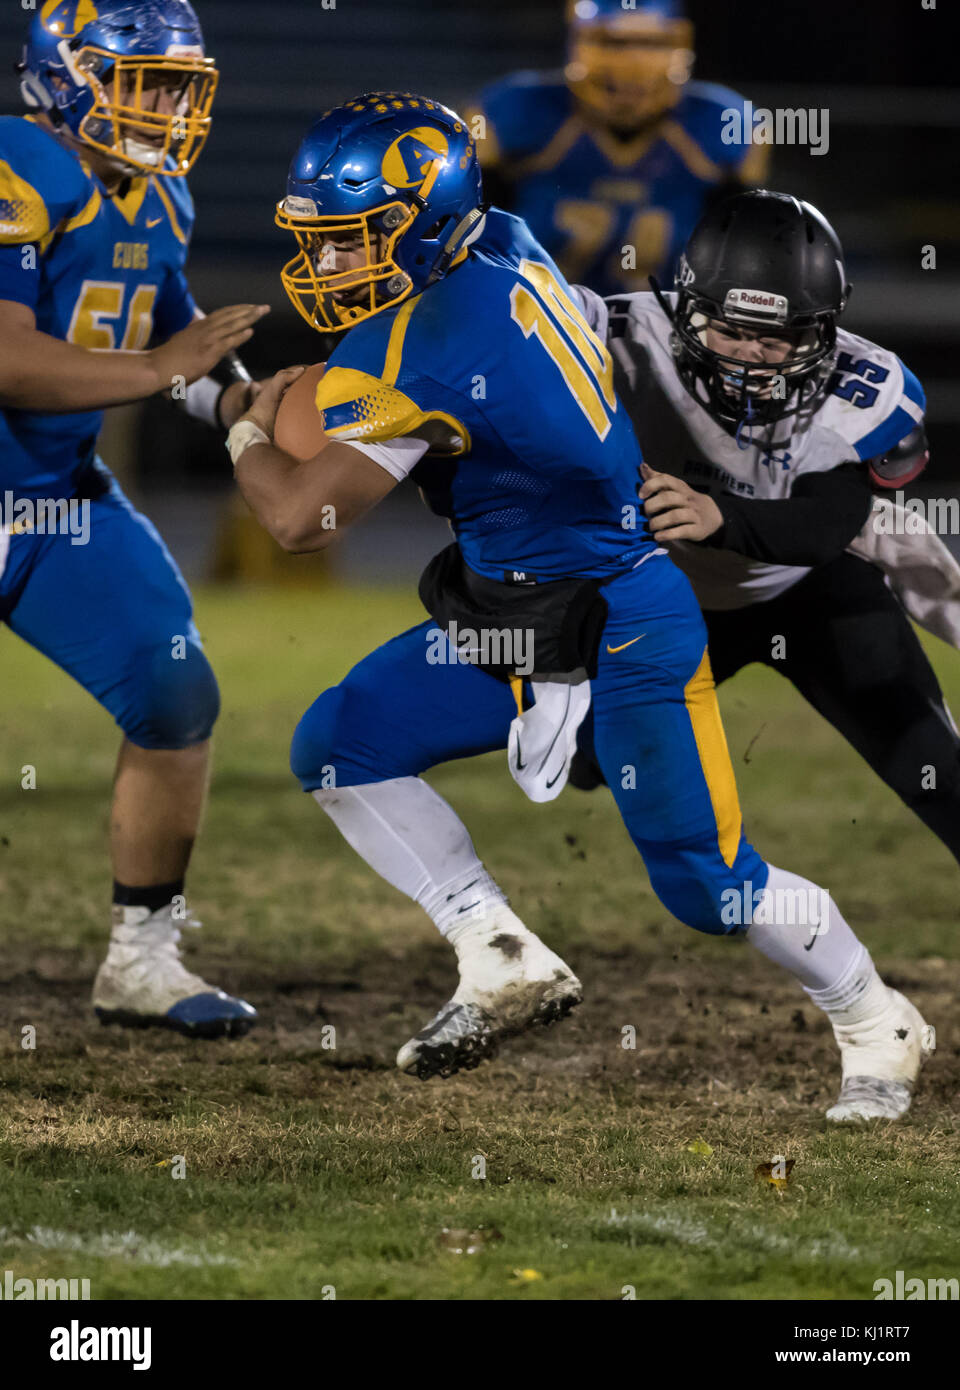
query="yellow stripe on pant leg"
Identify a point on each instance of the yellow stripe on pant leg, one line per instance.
(700, 693)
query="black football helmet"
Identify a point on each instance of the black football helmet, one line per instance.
(759, 260)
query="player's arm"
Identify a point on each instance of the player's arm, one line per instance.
(227, 390)
(303, 503)
(813, 525)
(42, 373)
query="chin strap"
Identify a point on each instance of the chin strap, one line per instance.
(466, 231)
(745, 421)
(662, 299)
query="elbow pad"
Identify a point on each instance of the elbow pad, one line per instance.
(901, 464)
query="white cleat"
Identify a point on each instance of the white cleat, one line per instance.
(143, 983)
(881, 1058)
(509, 982)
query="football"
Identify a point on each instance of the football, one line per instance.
(297, 428)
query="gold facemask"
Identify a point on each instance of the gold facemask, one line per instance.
(332, 300)
(630, 73)
(126, 89)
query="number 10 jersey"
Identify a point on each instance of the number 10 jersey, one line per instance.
(532, 458)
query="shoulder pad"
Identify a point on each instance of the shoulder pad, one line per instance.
(633, 314)
(874, 401)
(506, 238)
(525, 111)
(41, 183)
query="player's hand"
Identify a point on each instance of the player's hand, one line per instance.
(196, 349)
(237, 400)
(263, 411)
(676, 511)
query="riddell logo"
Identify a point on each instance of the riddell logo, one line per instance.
(770, 305)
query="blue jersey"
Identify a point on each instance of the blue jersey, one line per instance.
(533, 458)
(590, 197)
(98, 271)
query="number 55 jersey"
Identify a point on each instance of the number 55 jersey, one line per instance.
(496, 371)
(98, 271)
(871, 403)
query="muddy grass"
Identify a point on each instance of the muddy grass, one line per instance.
(308, 1166)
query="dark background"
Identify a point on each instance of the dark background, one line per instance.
(884, 69)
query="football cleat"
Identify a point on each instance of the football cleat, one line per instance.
(881, 1059)
(509, 982)
(144, 984)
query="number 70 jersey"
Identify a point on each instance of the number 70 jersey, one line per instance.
(532, 457)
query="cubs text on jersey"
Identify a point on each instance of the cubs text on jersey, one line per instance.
(96, 271)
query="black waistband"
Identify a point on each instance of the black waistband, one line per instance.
(564, 616)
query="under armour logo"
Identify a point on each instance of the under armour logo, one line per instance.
(772, 460)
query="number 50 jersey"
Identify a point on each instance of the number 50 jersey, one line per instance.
(532, 458)
(97, 271)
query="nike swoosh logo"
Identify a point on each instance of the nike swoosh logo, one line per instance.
(812, 940)
(451, 896)
(154, 221)
(611, 650)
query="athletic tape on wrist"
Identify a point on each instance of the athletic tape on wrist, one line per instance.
(242, 435)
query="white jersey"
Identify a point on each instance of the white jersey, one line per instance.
(873, 402)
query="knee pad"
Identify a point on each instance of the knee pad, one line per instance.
(171, 699)
(314, 744)
(346, 739)
(695, 884)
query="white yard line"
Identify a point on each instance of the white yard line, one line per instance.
(126, 1245)
(689, 1231)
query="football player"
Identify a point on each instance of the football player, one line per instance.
(95, 218)
(768, 431)
(466, 364)
(612, 161)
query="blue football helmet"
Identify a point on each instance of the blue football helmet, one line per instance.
(126, 77)
(392, 176)
(628, 60)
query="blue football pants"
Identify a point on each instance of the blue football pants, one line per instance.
(654, 727)
(116, 614)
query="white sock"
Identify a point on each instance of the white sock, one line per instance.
(799, 926)
(413, 839)
(858, 995)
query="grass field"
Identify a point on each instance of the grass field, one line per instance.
(310, 1168)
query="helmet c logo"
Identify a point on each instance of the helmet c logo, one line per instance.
(407, 162)
(67, 17)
